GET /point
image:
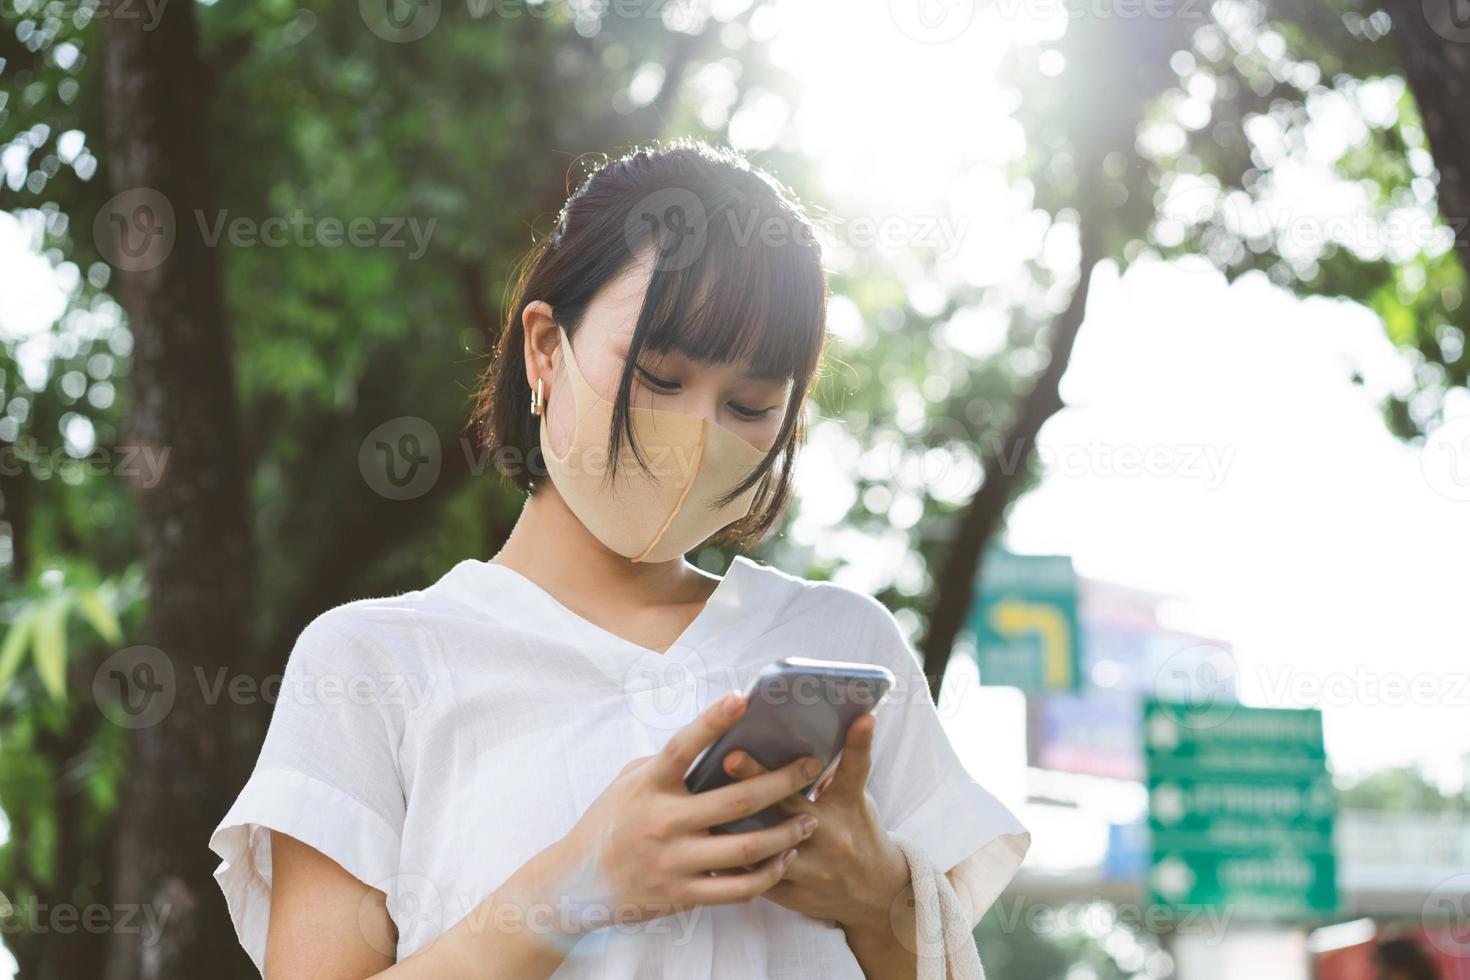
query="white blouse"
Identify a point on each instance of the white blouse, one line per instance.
(432, 742)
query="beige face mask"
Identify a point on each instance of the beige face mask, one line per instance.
(664, 511)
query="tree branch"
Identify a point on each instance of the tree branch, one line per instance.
(1004, 466)
(1436, 61)
(472, 287)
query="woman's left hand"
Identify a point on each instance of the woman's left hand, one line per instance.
(848, 871)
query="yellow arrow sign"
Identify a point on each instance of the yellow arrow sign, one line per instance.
(1015, 618)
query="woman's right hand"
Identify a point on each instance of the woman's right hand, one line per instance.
(643, 848)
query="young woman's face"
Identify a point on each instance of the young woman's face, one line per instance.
(726, 394)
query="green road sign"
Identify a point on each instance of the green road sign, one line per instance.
(1024, 618)
(1253, 887)
(1241, 810)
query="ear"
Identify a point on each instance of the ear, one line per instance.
(542, 338)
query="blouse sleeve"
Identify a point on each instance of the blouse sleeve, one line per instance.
(921, 788)
(327, 775)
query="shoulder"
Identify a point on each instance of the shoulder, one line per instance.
(856, 617)
(375, 634)
(408, 631)
(806, 594)
(363, 663)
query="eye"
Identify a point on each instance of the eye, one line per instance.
(657, 382)
(750, 413)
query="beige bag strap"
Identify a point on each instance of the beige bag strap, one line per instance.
(942, 936)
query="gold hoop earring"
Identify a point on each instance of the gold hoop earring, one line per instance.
(538, 397)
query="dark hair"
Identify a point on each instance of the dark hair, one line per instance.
(737, 272)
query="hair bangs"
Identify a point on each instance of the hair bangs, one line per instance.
(753, 294)
(741, 300)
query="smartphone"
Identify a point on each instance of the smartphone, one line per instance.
(795, 707)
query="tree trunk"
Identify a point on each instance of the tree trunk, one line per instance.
(1005, 465)
(181, 771)
(15, 495)
(79, 850)
(1434, 37)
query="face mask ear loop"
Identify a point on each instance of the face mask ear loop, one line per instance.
(688, 485)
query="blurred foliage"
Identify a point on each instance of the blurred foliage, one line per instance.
(1036, 941)
(1268, 90)
(1405, 789)
(61, 762)
(37, 628)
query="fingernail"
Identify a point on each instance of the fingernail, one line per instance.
(788, 857)
(730, 703)
(811, 767)
(808, 824)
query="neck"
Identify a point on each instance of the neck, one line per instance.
(552, 548)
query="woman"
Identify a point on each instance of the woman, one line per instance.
(485, 777)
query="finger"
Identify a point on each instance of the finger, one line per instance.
(748, 796)
(718, 852)
(680, 751)
(851, 778)
(741, 765)
(730, 889)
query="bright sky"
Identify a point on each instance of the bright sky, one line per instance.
(1324, 553)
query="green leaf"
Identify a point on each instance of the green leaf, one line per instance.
(100, 614)
(13, 650)
(51, 647)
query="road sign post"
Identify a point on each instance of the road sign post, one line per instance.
(1241, 810)
(1025, 622)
